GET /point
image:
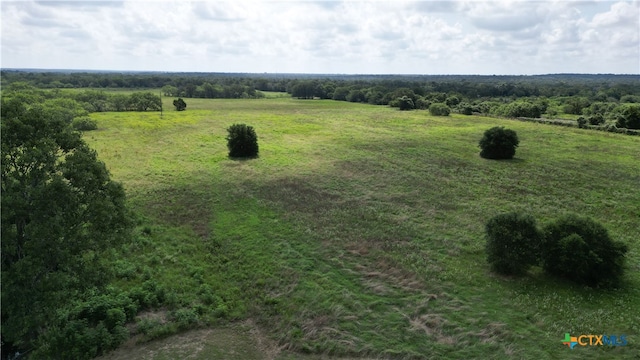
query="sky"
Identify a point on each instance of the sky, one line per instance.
(502, 37)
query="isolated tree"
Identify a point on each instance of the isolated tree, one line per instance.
(242, 141)
(180, 104)
(498, 143)
(60, 210)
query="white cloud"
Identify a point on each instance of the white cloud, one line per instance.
(487, 37)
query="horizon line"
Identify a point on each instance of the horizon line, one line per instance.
(59, 70)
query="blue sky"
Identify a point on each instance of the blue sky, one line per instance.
(347, 37)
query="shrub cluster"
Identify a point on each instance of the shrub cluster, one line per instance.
(498, 143)
(572, 247)
(242, 141)
(97, 324)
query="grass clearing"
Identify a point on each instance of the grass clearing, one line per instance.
(359, 230)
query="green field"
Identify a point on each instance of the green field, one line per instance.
(358, 232)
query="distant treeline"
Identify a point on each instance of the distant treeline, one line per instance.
(223, 85)
(601, 99)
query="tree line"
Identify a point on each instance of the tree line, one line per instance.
(601, 100)
(87, 100)
(598, 87)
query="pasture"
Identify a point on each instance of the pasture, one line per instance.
(358, 232)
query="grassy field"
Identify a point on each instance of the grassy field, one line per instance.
(358, 232)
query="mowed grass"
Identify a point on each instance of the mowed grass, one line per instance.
(358, 232)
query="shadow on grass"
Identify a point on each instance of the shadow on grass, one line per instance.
(243, 158)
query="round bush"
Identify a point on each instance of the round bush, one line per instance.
(242, 141)
(439, 109)
(580, 249)
(498, 143)
(513, 243)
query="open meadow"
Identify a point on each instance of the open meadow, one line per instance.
(359, 232)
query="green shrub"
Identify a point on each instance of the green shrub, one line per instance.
(631, 116)
(184, 318)
(87, 328)
(180, 104)
(580, 249)
(242, 141)
(596, 119)
(498, 143)
(439, 109)
(582, 122)
(465, 108)
(520, 108)
(405, 103)
(84, 124)
(513, 243)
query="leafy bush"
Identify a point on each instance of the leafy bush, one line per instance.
(180, 104)
(439, 109)
(498, 143)
(242, 141)
(513, 242)
(88, 328)
(582, 122)
(465, 108)
(405, 103)
(422, 103)
(630, 118)
(580, 249)
(596, 119)
(84, 124)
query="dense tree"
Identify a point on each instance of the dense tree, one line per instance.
(242, 141)
(180, 104)
(499, 143)
(580, 249)
(630, 117)
(304, 90)
(405, 103)
(170, 90)
(340, 93)
(143, 101)
(356, 95)
(513, 243)
(520, 109)
(60, 210)
(439, 109)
